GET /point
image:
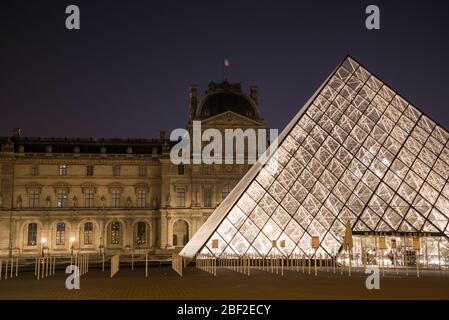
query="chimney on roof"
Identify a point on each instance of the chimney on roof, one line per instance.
(162, 135)
(16, 132)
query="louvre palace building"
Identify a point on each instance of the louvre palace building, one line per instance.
(59, 195)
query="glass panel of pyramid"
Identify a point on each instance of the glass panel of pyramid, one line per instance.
(358, 152)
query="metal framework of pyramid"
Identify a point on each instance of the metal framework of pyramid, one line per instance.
(357, 152)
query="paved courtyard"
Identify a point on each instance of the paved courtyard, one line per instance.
(163, 283)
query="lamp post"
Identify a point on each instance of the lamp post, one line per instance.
(43, 242)
(102, 256)
(72, 241)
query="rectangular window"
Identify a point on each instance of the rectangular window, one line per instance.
(88, 233)
(63, 170)
(34, 197)
(116, 170)
(225, 191)
(207, 196)
(115, 233)
(90, 170)
(207, 169)
(34, 170)
(32, 234)
(181, 169)
(141, 198)
(60, 234)
(61, 198)
(89, 194)
(116, 197)
(180, 197)
(142, 171)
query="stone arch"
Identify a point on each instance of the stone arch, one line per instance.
(108, 234)
(85, 240)
(53, 234)
(180, 232)
(149, 233)
(24, 235)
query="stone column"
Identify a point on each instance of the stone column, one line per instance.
(102, 235)
(129, 233)
(164, 230)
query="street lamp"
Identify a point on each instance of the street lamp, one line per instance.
(43, 241)
(72, 240)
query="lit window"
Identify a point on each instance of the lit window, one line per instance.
(90, 170)
(141, 237)
(88, 233)
(115, 233)
(60, 234)
(34, 197)
(116, 170)
(34, 170)
(116, 197)
(142, 171)
(89, 195)
(142, 198)
(61, 198)
(181, 169)
(180, 197)
(63, 170)
(32, 234)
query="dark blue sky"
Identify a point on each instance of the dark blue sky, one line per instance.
(126, 72)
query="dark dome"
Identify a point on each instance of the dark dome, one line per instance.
(226, 96)
(220, 102)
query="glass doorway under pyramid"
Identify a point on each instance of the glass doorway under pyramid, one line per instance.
(357, 152)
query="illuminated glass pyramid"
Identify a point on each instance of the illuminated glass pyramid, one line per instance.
(356, 152)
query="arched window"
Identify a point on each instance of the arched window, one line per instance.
(32, 234)
(88, 233)
(141, 233)
(225, 191)
(60, 234)
(180, 233)
(115, 233)
(175, 240)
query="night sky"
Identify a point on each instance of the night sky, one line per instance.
(126, 73)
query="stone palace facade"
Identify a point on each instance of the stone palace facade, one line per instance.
(59, 195)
